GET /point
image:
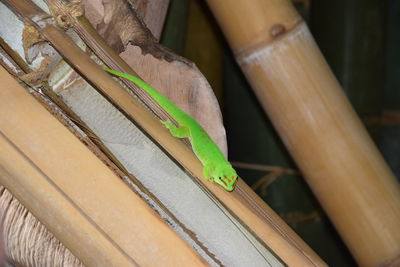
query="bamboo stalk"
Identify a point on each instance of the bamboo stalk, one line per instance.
(44, 165)
(318, 125)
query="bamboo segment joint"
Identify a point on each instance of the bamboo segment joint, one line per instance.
(269, 36)
(263, 49)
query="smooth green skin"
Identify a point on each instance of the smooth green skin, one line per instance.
(216, 167)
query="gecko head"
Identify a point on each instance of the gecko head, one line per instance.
(226, 177)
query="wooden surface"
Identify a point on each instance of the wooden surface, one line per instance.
(317, 124)
(153, 12)
(88, 207)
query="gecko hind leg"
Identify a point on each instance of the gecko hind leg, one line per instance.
(180, 132)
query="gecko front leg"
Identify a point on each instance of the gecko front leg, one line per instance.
(207, 170)
(180, 132)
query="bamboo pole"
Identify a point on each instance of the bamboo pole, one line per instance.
(317, 124)
(45, 165)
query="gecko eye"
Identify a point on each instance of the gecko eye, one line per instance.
(222, 180)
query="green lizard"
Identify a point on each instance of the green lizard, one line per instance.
(215, 166)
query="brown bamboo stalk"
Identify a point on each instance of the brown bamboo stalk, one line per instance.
(45, 165)
(318, 125)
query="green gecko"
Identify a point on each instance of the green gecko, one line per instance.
(216, 168)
